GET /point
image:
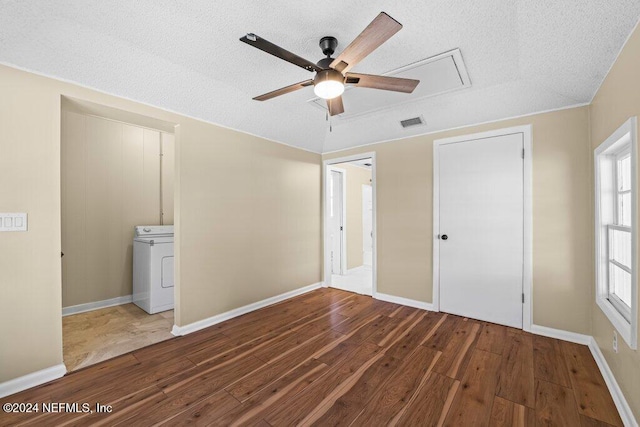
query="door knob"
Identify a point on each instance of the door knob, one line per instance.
(444, 237)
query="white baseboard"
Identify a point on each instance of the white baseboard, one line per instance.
(404, 301)
(618, 398)
(31, 380)
(214, 320)
(90, 306)
(561, 335)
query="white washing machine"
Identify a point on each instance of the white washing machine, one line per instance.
(153, 268)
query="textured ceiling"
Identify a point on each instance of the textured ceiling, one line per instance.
(522, 57)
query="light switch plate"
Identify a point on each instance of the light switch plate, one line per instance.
(13, 222)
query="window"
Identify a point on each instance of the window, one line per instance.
(619, 236)
(616, 289)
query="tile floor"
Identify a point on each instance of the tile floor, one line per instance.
(358, 280)
(98, 335)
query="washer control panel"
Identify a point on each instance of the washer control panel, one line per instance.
(153, 230)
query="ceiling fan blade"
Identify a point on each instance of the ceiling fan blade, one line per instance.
(284, 90)
(377, 32)
(275, 50)
(395, 84)
(335, 106)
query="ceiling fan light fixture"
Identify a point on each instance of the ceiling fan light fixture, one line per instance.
(328, 84)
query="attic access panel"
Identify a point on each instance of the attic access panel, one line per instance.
(439, 74)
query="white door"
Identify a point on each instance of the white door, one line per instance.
(367, 225)
(336, 225)
(481, 227)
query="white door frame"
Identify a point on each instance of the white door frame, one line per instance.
(326, 166)
(343, 241)
(527, 307)
(363, 213)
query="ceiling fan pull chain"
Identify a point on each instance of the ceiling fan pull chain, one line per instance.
(327, 118)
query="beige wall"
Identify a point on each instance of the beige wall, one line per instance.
(31, 301)
(617, 99)
(356, 177)
(250, 220)
(247, 217)
(110, 183)
(561, 229)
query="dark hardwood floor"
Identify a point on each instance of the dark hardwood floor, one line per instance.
(334, 358)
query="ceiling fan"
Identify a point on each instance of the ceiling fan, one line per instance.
(332, 74)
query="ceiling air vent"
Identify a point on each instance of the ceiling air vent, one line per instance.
(415, 121)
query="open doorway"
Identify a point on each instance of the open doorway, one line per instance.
(117, 171)
(349, 201)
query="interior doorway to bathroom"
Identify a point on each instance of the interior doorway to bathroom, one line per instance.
(350, 223)
(117, 171)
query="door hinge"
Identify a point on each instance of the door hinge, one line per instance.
(340, 228)
(523, 297)
(523, 153)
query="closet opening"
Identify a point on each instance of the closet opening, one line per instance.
(117, 192)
